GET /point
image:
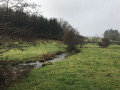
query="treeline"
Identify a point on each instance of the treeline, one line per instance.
(112, 34)
(20, 26)
(23, 25)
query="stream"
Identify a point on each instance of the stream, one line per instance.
(12, 73)
(38, 64)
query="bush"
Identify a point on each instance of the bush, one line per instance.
(104, 43)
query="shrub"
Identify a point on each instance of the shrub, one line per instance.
(104, 43)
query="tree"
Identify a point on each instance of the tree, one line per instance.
(111, 34)
(65, 25)
(72, 39)
(118, 38)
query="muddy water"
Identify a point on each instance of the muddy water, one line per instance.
(38, 64)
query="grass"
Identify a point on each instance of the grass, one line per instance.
(93, 69)
(31, 51)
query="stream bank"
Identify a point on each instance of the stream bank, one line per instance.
(38, 64)
(13, 71)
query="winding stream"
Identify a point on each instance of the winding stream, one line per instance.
(13, 73)
(38, 64)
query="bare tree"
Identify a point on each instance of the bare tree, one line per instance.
(65, 25)
(72, 39)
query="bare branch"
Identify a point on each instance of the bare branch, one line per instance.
(19, 2)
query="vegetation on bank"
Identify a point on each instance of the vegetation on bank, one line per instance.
(42, 51)
(33, 52)
(94, 69)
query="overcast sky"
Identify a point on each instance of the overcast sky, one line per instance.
(90, 17)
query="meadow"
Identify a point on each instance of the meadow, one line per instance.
(30, 52)
(94, 68)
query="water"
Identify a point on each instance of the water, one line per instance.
(38, 64)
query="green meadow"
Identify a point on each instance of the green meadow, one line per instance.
(93, 69)
(30, 52)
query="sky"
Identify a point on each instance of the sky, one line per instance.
(89, 17)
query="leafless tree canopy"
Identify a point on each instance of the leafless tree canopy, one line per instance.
(72, 39)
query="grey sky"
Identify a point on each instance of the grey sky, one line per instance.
(90, 17)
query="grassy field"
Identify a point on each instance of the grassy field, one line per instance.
(93, 69)
(30, 51)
